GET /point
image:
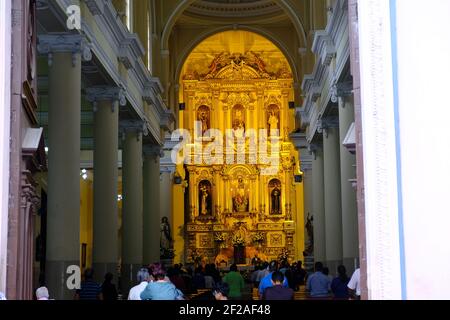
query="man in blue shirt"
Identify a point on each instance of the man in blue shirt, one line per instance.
(318, 284)
(266, 282)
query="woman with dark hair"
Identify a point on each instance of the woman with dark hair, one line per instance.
(339, 284)
(108, 288)
(160, 288)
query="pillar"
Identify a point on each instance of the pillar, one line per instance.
(106, 131)
(350, 247)
(132, 210)
(151, 220)
(332, 195)
(318, 205)
(63, 220)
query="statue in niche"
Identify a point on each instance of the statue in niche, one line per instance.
(240, 200)
(276, 203)
(238, 119)
(275, 196)
(205, 198)
(165, 242)
(203, 117)
(273, 122)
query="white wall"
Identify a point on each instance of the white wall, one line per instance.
(405, 64)
(5, 92)
(424, 105)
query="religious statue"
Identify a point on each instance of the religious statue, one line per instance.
(240, 200)
(203, 117)
(310, 233)
(273, 122)
(276, 203)
(204, 203)
(238, 123)
(165, 242)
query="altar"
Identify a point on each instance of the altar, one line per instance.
(239, 162)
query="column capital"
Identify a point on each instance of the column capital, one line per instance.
(138, 126)
(153, 151)
(341, 89)
(106, 93)
(327, 123)
(64, 42)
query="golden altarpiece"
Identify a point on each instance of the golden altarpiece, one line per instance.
(238, 207)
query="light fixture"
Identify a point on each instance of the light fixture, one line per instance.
(46, 149)
(84, 176)
(119, 197)
(83, 171)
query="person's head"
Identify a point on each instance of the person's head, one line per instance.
(265, 265)
(198, 270)
(143, 275)
(109, 277)
(326, 271)
(42, 293)
(157, 271)
(273, 266)
(318, 266)
(88, 274)
(277, 278)
(342, 272)
(221, 291)
(234, 267)
(299, 263)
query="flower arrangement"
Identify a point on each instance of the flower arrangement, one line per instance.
(238, 241)
(258, 237)
(220, 237)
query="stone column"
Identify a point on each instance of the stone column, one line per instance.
(106, 132)
(318, 205)
(151, 221)
(350, 242)
(132, 210)
(332, 193)
(63, 227)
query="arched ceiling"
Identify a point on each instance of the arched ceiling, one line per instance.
(233, 8)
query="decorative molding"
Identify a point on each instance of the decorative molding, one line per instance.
(106, 93)
(130, 50)
(319, 84)
(139, 126)
(341, 89)
(64, 42)
(96, 7)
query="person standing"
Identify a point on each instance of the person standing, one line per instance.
(235, 282)
(354, 285)
(109, 290)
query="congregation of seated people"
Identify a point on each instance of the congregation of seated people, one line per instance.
(268, 281)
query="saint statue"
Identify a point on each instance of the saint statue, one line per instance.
(165, 242)
(240, 200)
(238, 120)
(276, 203)
(273, 122)
(203, 117)
(204, 204)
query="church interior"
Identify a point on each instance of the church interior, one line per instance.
(188, 132)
